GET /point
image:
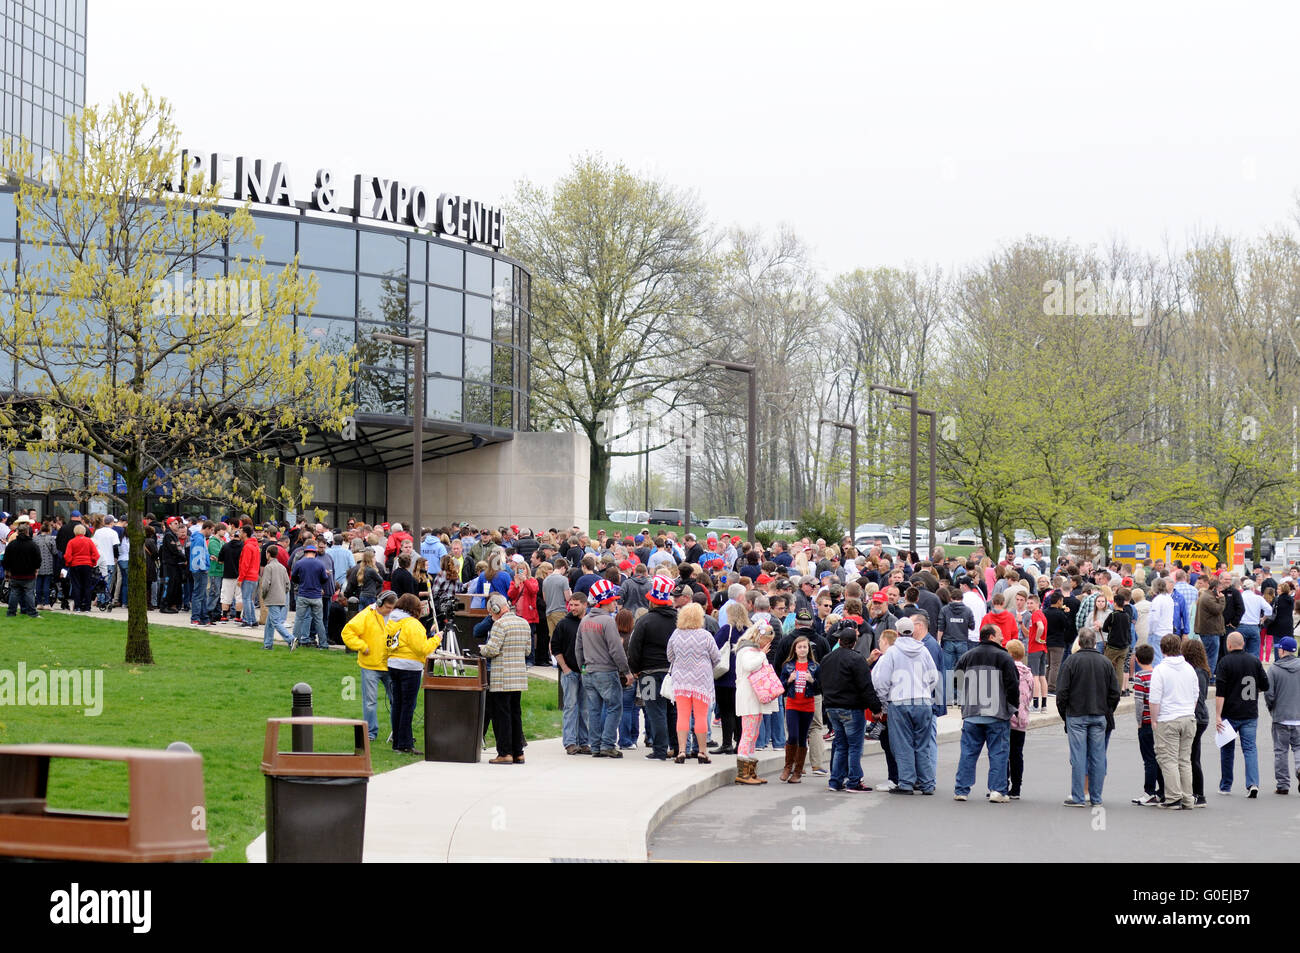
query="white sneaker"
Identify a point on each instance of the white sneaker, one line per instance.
(886, 786)
(959, 797)
(997, 797)
(1147, 800)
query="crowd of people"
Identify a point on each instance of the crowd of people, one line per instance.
(661, 640)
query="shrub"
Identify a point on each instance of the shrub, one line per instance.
(820, 522)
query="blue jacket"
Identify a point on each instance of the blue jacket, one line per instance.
(200, 559)
(312, 577)
(932, 646)
(812, 687)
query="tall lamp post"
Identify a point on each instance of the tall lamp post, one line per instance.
(417, 421)
(911, 396)
(933, 469)
(853, 469)
(752, 455)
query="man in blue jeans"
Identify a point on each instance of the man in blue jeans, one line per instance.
(312, 577)
(1238, 684)
(988, 689)
(847, 691)
(604, 668)
(908, 674)
(1087, 693)
(199, 560)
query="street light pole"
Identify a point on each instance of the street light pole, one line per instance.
(752, 455)
(417, 422)
(853, 469)
(933, 467)
(911, 396)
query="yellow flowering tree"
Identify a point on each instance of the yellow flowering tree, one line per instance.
(136, 351)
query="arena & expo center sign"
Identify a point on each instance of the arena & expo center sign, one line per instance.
(266, 182)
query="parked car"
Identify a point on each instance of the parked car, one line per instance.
(725, 522)
(670, 518)
(629, 516)
(867, 535)
(964, 537)
(777, 527)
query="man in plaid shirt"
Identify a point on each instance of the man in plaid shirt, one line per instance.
(1153, 781)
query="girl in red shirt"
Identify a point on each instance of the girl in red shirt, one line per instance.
(799, 673)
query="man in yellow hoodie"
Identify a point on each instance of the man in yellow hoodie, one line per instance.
(367, 635)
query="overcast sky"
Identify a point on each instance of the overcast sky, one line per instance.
(884, 133)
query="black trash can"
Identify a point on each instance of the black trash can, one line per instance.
(455, 710)
(315, 801)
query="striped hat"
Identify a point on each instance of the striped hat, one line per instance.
(661, 591)
(602, 591)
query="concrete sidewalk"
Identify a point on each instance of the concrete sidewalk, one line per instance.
(558, 807)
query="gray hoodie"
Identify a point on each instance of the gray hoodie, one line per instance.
(1283, 694)
(906, 673)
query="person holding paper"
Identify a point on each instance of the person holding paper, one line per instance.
(1238, 685)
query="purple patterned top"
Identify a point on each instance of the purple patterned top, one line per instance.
(692, 653)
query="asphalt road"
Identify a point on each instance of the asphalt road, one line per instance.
(806, 822)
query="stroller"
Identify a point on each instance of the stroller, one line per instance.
(101, 592)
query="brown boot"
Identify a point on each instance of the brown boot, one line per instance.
(745, 771)
(800, 755)
(790, 749)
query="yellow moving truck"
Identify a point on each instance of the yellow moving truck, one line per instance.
(1180, 541)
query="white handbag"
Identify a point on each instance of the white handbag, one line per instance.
(724, 660)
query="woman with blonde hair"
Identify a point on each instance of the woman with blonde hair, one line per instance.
(751, 654)
(730, 632)
(692, 653)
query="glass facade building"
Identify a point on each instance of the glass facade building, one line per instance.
(43, 63)
(469, 305)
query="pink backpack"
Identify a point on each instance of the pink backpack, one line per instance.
(1020, 717)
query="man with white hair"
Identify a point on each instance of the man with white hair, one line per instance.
(1254, 608)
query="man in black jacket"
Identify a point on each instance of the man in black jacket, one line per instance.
(647, 657)
(22, 559)
(846, 692)
(1234, 607)
(1087, 692)
(172, 559)
(1238, 685)
(988, 688)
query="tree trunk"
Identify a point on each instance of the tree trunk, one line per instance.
(599, 482)
(138, 651)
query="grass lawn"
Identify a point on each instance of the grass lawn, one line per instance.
(212, 692)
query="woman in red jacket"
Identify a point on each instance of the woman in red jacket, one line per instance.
(523, 594)
(80, 558)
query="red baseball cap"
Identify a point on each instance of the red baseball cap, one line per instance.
(880, 596)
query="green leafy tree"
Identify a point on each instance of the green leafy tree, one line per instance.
(621, 281)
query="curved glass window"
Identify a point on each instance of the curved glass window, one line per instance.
(446, 266)
(382, 299)
(335, 294)
(445, 310)
(327, 246)
(8, 216)
(478, 359)
(478, 273)
(383, 254)
(443, 355)
(334, 335)
(277, 240)
(442, 399)
(478, 317)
